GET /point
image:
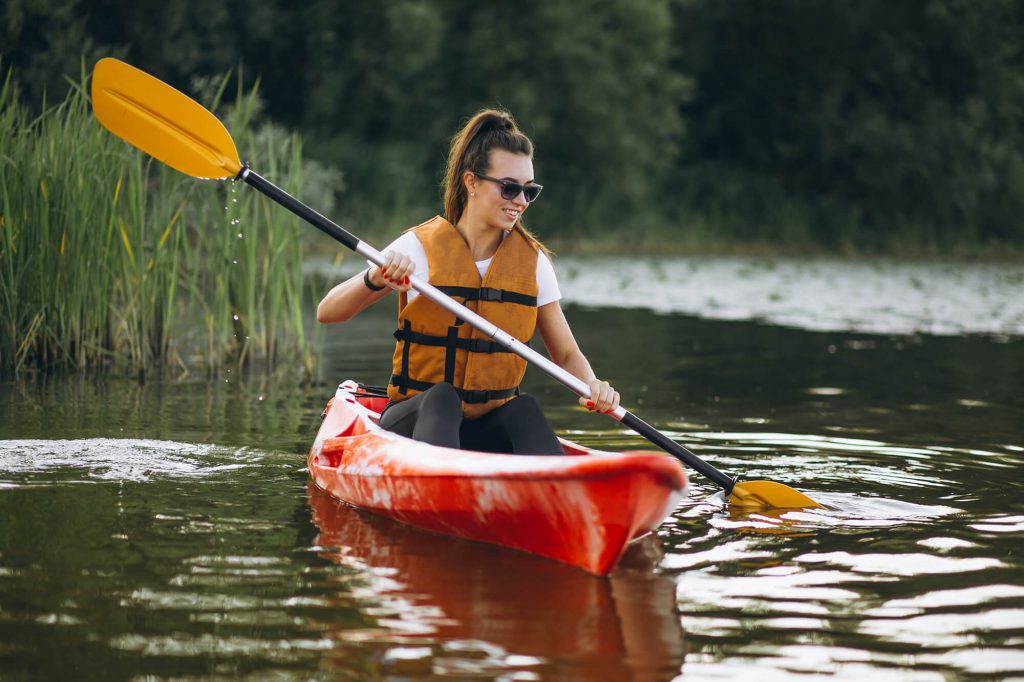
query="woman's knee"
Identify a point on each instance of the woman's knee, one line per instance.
(528, 428)
(523, 406)
(522, 412)
(442, 397)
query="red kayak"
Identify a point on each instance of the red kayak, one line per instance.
(582, 509)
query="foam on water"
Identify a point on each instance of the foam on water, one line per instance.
(118, 459)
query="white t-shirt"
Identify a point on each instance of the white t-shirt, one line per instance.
(408, 244)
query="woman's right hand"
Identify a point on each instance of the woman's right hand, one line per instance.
(348, 299)
(395, 272)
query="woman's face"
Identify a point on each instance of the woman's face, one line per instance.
(487, 204)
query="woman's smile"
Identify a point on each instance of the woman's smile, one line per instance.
(503, 165)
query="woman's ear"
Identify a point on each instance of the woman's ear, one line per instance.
(470, 181)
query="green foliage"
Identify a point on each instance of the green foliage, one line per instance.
(389, 83)
(863, 124)
(109, 258)
(905, 117)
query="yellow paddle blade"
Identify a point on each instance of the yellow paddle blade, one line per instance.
(762, 494)
(164, 123)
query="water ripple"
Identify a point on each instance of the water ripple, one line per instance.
(815, 461)
(116, 459)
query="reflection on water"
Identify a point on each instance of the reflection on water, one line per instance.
(166, 530)
(437, 595)
(857, 587)
(877, 296)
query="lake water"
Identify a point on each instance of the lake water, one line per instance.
(167, 530)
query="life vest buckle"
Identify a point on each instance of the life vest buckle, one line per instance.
(479, 346)
(491, 294)
(475, 397)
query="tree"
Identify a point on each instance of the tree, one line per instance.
(908, 114)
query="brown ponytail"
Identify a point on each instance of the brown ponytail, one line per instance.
(470, 151)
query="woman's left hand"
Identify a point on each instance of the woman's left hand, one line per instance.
(603, 398)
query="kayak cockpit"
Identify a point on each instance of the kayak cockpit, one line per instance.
(347, 423)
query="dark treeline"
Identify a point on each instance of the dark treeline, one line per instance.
(866, 124)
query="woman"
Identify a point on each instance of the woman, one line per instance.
(450, 384)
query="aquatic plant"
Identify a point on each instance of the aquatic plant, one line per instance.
(108, 258)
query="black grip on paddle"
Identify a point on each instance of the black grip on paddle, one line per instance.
(673, 448)
(300, 209)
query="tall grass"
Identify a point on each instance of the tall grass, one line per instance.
(250, 270)
(108, 258)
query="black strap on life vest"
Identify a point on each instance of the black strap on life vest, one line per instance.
(467, 396)
(403, 387)
(490, 294)
(451, 341)
(449, 355)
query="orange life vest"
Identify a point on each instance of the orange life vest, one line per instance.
(434, 346)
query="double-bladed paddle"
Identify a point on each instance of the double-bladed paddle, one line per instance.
(177, 130)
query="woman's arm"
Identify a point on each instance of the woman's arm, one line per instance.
(352, 296)
(565, 352)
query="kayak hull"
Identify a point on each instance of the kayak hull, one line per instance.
(582, 509)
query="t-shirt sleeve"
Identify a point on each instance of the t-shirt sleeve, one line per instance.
(408, 244)
(547, 282)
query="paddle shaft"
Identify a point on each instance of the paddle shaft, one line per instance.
(572, 382)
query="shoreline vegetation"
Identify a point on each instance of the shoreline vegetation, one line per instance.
(110, 260)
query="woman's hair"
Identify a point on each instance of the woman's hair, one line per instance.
(470, 151)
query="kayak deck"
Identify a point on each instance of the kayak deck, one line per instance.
(581, 509)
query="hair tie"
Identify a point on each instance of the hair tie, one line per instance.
(501, 122)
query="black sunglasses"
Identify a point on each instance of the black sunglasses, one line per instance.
(511, 189)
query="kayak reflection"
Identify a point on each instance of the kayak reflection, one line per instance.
(444, 598)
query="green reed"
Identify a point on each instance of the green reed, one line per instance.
(108, 258)
(250, 268)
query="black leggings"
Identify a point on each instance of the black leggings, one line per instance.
(435, 416)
